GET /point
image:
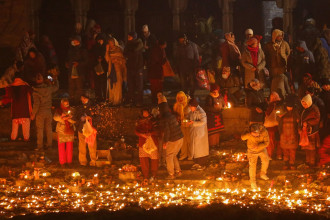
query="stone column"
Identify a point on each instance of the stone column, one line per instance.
(288, 6)
(34, 7)
(130, 7)
(81, 8)
(177, 6)
(227, 14)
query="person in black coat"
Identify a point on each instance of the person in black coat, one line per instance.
(100, 67)
(172, 140)
(255, 101)
(133, 53)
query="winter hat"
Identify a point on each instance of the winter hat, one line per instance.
(275, 34)
(214, 87)
(76, 37)
(161, 98)
(85, 95)
(274, 97)
(254, 83)
(101, 36)
(163, 108)
(255, 127)
(193, 102)
(290, 101)
(249, 31)
(182, 35)
(308, 100)
(133, 34)
(308, 75)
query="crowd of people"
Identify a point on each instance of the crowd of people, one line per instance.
(296, 113)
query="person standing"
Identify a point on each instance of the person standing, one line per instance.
(117, 72)
(214, 104)
(277, 52)
(230, 86)
(76, 64)
(100, 66)
(198, 135)
(42, 110)
(65, 132)
(288, 127)
(230, 53)
(21, 107)
(271, 124)
(34, 65)
(146, 129)
(149, 41)
(257, 142)
(255, 101)
(187, 58)
(309, 126)
(155, 69)
(253, 61)
(181, 110)
(172, 140)
(82, 114)
(133, 53)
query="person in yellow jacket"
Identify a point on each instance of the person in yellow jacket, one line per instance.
(257, 141)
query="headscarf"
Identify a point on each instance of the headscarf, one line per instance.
(228, 37)
(308, 100)
(179, 106)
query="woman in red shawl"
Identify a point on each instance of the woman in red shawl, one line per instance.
(253, 61)
(65, 132)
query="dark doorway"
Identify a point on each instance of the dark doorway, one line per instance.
(247, 14)
(109, 15)
(57, 22)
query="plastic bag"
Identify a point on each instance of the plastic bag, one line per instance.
(149, 146)
(202, 79)
(167, 69)
(74, 73)
(303, 141)
(87, 129)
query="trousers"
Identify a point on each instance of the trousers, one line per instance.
(172, 150)
(65, 152)
(253, 159)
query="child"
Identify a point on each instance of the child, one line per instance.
(65, 132)
(257, 141)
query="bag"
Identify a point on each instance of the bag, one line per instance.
(202, 80)
(87, 129)
(149, 146)
(303, 138)
(167, 69)
(99, 69)
(74, 73)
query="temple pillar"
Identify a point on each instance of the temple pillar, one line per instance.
(81, 8)
(177, 6)
(288, 6)
(34, 7)
(130, 7)
(227, 14)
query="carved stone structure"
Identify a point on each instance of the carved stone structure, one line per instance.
(227, 14)
(288, 6)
